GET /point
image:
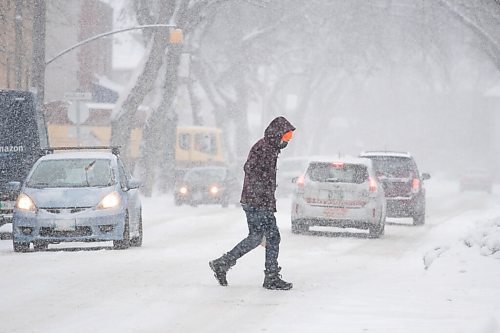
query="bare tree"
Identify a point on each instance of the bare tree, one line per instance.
(250, 52)
(461, 12)
(126, 108)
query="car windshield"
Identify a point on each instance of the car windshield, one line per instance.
(388, 166)
(72, 173)
(203, 175)
(338, 173)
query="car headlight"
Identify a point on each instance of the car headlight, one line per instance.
(183, 190)
(214, 189)
(24, 202)
(111, 200)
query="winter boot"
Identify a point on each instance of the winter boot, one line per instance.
(220, 267)
(273, 281)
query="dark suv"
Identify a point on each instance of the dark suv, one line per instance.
(402, 183)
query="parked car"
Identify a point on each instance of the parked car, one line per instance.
(476, 179)
(77, 196)
(207, 185)
(341, 192)
(403, 184)
(288, 169)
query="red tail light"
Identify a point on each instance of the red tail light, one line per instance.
(415, 185)
(373, 184)
(300, 181)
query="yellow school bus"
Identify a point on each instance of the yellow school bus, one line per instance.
(198, 145)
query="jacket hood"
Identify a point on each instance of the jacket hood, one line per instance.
(276, 129)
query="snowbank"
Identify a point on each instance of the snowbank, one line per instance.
(486, 235)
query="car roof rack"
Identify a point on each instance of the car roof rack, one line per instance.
(115, 150)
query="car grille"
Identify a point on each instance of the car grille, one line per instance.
(65, 210)
(397, 189)
(78, 232)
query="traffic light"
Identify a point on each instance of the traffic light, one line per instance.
(176, 36)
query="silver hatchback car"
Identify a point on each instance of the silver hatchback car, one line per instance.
(77, 196)
(340, 192)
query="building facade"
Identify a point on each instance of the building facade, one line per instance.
(67, 23)
(16, 26)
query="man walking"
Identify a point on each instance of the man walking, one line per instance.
(259, 203)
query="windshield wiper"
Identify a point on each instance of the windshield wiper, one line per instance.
(333, 180)
(37, 185)
(87, 168)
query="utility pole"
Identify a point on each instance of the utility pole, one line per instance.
(18, 50)
(38, 66)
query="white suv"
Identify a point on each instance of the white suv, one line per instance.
(341, 192)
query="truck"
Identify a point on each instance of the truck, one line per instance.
(23, 139)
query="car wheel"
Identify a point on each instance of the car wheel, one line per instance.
(419, 213)
(298, 228)
(376, 231)
(21, 246)
(40, 246)
(419, 219)
(177, 202)
(125, 242)
(137, 241)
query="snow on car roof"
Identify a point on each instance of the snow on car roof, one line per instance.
(385, 153)
(343, 159)
(78, 154)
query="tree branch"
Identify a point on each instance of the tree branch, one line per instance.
(476, 28)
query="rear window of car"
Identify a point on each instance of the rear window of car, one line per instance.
(338, 172)
(391, 166)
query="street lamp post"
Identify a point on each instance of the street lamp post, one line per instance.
(105, 34)
(39, 63)
(38, 68)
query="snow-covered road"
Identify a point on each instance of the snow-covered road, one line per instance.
(414, 279)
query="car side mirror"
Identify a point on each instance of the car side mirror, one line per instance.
(294, 179)
(13, 186)
(133, 184)
(426, 176)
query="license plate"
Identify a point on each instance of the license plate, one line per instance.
(65, 225)
(7, 204)
(334, 212)
(336, 195)
(197, 196)
(331, 195)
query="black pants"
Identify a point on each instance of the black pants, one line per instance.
(260, 223)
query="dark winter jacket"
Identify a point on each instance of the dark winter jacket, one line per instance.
(260, 168)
